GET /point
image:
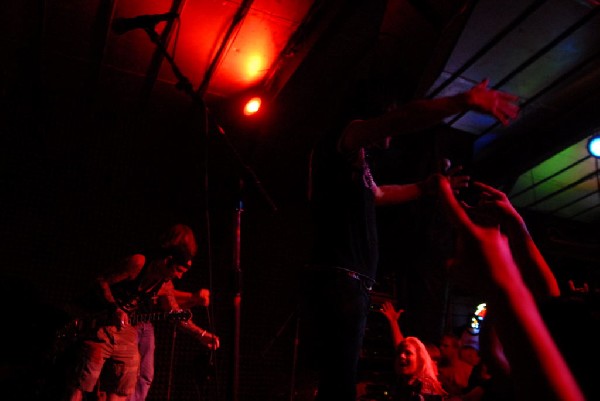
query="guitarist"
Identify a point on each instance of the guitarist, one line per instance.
(133, 287)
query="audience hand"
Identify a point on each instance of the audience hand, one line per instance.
(537, 366)
(483, 250)
(390, 312)
(495, 202)
(457, 181)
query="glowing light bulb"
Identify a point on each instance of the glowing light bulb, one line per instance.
(252, 106)
(594, 146)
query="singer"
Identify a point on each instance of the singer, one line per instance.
(343, 194)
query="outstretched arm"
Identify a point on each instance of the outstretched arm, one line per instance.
(425, 113)
(188, 300)
(169, 302)
(537, 366)
(533, 267)
(400, 193)
(392, 315)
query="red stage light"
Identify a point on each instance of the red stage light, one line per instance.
(252, 106)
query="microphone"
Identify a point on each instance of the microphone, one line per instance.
(122, 25)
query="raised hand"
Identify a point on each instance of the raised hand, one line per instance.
(496, 202)
(495, 208)
(501, 105)
(483, 250)
(390, 312)
(538, 368)
(392, 315)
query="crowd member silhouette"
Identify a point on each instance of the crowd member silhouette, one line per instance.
(453, 371)
(469, 349)
(134, 286)
(434, 353)
(343, 196)
(497, 256)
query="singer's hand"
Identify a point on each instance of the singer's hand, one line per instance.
(121, 318)
(501, 105)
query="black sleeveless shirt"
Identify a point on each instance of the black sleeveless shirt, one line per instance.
(343, 209)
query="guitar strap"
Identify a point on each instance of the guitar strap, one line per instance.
(131, 297)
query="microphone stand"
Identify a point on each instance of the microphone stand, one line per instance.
(294, 314)
(237, 300)
(183, 83)
(171, 362)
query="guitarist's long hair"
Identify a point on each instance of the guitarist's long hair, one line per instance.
(179, 241)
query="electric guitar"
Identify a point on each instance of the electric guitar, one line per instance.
(80, 327)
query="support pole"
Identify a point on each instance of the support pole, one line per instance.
(237, 301)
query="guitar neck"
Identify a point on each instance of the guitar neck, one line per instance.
(81, 327)
(157, 316)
